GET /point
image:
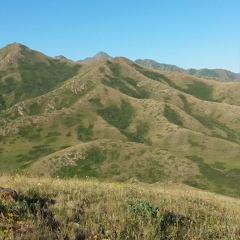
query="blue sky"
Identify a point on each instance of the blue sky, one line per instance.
(186, 33)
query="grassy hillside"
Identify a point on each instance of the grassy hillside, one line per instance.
(49, 208)
(117, 120)
(212, 74)
(158, 66)
(27, 74)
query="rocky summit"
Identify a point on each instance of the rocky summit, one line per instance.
(99, 56)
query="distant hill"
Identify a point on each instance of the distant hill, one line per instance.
(116, 120)
(216, 74)
(159, 66)
(99, 56)
(220, 74)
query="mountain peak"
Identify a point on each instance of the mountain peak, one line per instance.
(102, 56)
(13, 45)
(60, 57)
(11, 53)
(99, 56)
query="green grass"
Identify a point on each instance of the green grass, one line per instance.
(53, 134)
(115, 68)
(151, 174)
(216, 178)
(118, 117)
(187, 107)
(69, 98)
(124, 84)
(1, 150)
(200, 90)
(71, 209)
(8, 85)
(172, 116)
(96, 101)
(127, 86)
(197, 89)
(84, 133)
(62, 129)
(37, 77)
(87, 166)
(71, 120)
(35, 153)
(196, 144)
(149, 74)
(34, 109)
(31, 132)
(2, 102)
(219, 165)
(210, 122)
(121, 118)
(140, 135)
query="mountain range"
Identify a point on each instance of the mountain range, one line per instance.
(214, 74)
(114, 119)
(210, 74)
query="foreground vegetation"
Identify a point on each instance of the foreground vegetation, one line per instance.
(116, 120)
(49, 208)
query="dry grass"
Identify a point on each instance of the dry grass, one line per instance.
(87, 209)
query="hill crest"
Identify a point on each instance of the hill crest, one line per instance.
(215, 74)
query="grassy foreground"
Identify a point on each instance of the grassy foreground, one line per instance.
(49, 208)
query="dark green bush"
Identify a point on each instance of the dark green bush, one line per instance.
(172, 116)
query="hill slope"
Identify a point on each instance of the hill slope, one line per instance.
(85, 209)
(215, 74)
(26, 74)
(117, 120)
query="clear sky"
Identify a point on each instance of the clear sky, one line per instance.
(186, 33)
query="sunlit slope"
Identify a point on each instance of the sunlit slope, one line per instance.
(87, 208)
(26, 73)
(116, 120)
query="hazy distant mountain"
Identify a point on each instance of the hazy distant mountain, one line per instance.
(158, 66)
(99, 56)
(222, 74)
(117, 120)
(216, 74)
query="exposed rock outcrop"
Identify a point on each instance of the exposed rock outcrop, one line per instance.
(8, 193)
